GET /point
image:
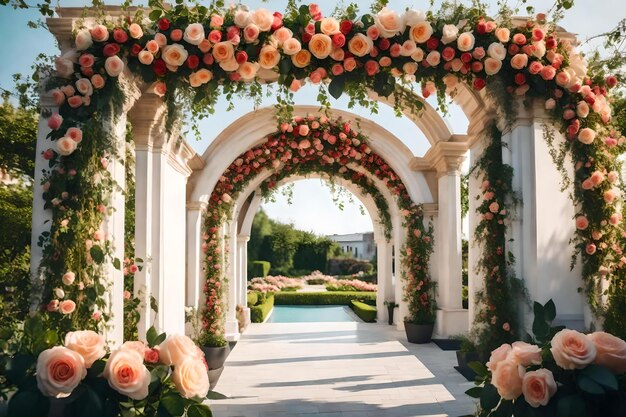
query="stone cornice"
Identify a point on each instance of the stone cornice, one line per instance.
(443, 157)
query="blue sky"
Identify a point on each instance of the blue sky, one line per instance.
(312, 207)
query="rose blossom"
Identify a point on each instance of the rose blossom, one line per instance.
(66, 146)
(388, 22)
(145, 57)
(114, 66)
(59, 371)
(519, 61)
(497, 51)
(433, 58)
(282, 34)
(590, 249)
(587, 136)
(75, 134)
(55, 121)
(360, 45)
(191, 378)
(329, 26)
(538, 387)
(223, 51)
(99, 33)
(572, 349)
(83, 40)
(89, 344)
(465, 41)
(525, 354)
(611, 351)
(507, 378)
(64, 64)
(320, 45)
(68, 278)
(250, 33)
(503, 34)
(135, 346)
(67, 306)
(492, 66)
(75, 101)
(497, 356)
(421, 32)
(242, 18)
(291, 46)
(582, 223)
(248, 70)
(127, 374)
(84, 86)
(135, 31)
(449, 34)
(263, 19)
(268, 57)
(176, 348)
(175, 54)
(301, 59)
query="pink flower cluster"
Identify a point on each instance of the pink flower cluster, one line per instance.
(350, 285)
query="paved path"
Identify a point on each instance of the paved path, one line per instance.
(338, 370)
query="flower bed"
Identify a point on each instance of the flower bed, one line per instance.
(350, 285)
(317, 278)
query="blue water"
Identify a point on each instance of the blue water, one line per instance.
(301, 314)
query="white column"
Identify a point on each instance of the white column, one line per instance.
(242, 251)
(475, 280)
(384, 260)
(195, 256)
(232, 326)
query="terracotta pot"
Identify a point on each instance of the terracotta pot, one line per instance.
(215, 355)
(418, 333)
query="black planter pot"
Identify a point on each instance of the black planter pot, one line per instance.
(390, 310)
(418, 333)
(464, 358)
(215, 355)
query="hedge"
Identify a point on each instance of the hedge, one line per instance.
(253, 298)
(366, 312)
(324, 298)
(260, 269)
(258, 313)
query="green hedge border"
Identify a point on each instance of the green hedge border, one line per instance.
(366, 312)
(324, 298)
(259, 312)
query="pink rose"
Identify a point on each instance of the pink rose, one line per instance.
(507, 378)
(582, 223)
(97, 81)
(136, 346)
(611, 352)
(251, 33)
(519, 61)
(89, 344)
(151, 355)
(497, 356)
(59, 371)
(135, 31)
(99, 33)
(525, 354)
(67, 307)
(191, 378)
(55, 121)
(176, 348)
(114, 66)
(127, 374)
(217, 21)
(538, 387)
(572, 349)
(263, 19)
(548, 72)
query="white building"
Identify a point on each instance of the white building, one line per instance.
(359, 245)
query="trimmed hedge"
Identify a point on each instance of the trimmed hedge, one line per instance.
(324, 298)
(258, 313)
(260, 269)
(366, 312)
(253, 298)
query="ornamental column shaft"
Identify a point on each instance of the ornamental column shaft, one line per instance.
(385, 275)
(230, 255)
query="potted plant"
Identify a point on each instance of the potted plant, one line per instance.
(213, 344)
(420, 322)
(466, 355)
(391, 305)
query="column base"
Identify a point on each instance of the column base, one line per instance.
(451, 322)
(232, 331)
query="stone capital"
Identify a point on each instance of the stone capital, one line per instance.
(446, 157)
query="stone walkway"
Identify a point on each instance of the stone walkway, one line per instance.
(338, 370)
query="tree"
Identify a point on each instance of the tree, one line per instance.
(18, 139)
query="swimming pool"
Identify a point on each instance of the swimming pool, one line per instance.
(309, 314)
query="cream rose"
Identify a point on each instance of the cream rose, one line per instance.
(269, 57)
(64, 64)
(497, 356)
(586, 135)
(610, 352)
(497, 51)
(135, 31)
(66, 146)
(242, 18)
(263, 19)
(519, 61)
(525, 354)
(292, 46)
(68, 278)
(413, 17)
(492, 66)
(320, 45)
(503, 34)
(84, 86)
(507, 378)
(194, 34)
(223, 51)
(449, 34)
(127, 374)
(59, 370)
(114, 66)
(420, 32)
(572, 349)
(329, 26)
(465, 41)
(136, 346)
(87, 343)
(83, 40)
(389, 23)
(538, 387)
(191, 378)
(301, 59)
(360, 45)
(175, 54)
(248, 70)
(176, 348)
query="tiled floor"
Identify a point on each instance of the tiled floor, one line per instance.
(338, 370)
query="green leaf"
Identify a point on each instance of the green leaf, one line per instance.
(489, 397)
(117, 264)
(174, 404)
(550, 310)
(155, 14)
(589, 386)
(151, 336)
(285, 66)
(199, 410)
(474, 392)
(33, 326)
(153, 305)
(601, 376)
(28, 404)
(336, 86)
(214, 395)
(160, 338)
(479, 368)
(96, 368)
(17, 366)
(97, 254)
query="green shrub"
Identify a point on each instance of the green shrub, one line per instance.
(366, 312)
(258, 313)
(253, 298)
(349, 266)
(324, 298)
(260, 269)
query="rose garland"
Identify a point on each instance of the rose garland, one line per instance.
(194, 52)
(304, 146)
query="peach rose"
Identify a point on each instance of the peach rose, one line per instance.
(68, 278)
(492, 66)
(433, 58)
(75, 134)
(525, 354)
(251, 33)
(503, 34)
(66, 146)
(507, 378)
(175, 55)
(191, 378)
(114, 66)
(59, 371)
(67, 306)
(97, 81)
(194, 34)
(360, 45)
(83, 40)
(99, 33)
(223, 51)
(582, 109)
(291, 46)
(610, 352)
(497, 51)
(538, 387)
(55, 121)
(582, 223)
(465, 41)
(194, 81)
(145, 57)
(269, 57)
(84, 86)
(160, 39)
(586, 136)
(421, 32)
(519, 61)
(320, 45)
(204, 75)
(572, 349)
(127, 374)
(248, 70)
(329, 26)
(389, 23)
(282, 34)
(152, 46)
(136, 346)
(89, 344)
(497, 356)
(135, 31)
(301, 59)
(229, 65)
(57, 96)
(176, 348)
(263, 19)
